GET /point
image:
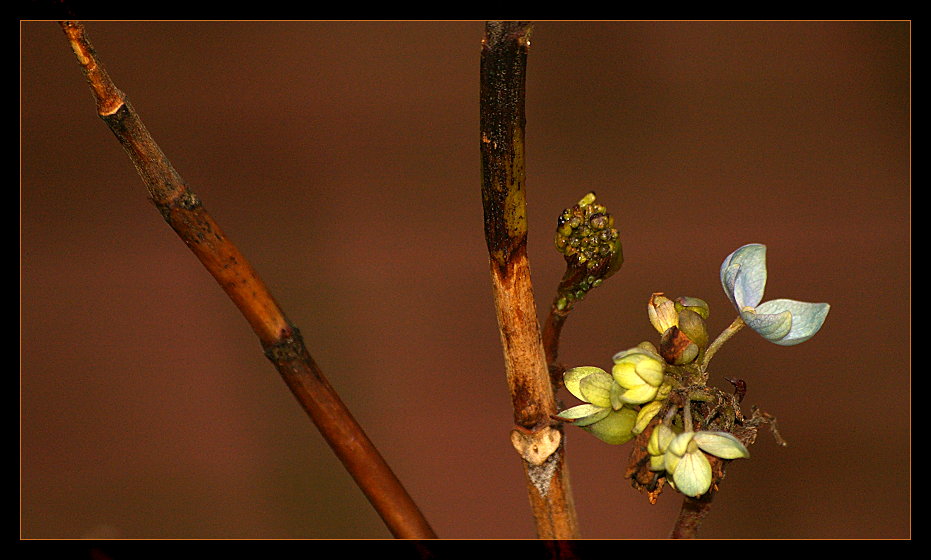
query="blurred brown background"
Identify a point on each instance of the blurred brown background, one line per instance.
(343, 158)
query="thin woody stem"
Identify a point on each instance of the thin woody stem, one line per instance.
(693, 512)
(725, 335)
(536, 437)
(281, 341)
(552, 329)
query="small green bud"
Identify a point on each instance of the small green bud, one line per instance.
(676, 348)
(587, 199)
(640, 373)
(692, 324)
(657, 445)
(645, 415)
(616, 427)
(695, 304)
(662, 312)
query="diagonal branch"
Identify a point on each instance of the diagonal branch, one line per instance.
(535, 436)
(281, 341)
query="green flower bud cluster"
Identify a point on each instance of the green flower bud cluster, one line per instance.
(586, 237)
(622, 405)
(616, 408)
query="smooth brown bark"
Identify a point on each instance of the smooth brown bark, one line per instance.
(281, 341)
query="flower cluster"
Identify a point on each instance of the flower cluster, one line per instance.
(612, 412)
(620, 405)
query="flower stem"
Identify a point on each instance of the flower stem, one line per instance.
(725, 335)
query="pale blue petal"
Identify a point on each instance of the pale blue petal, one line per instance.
(743, 275)
(771, 326)
(807, 318)
(749, 284)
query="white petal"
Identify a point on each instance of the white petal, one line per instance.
(721, 444)
(693, 474)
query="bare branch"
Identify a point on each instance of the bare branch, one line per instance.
(536, 437)
(282, 342)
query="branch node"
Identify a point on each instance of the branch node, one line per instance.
(288, 348)
(536, 446)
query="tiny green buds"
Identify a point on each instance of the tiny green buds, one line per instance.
(586, 237)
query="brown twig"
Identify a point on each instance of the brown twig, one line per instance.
(282, 342)
(552, 329)
(691, 515)
(536, 437)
